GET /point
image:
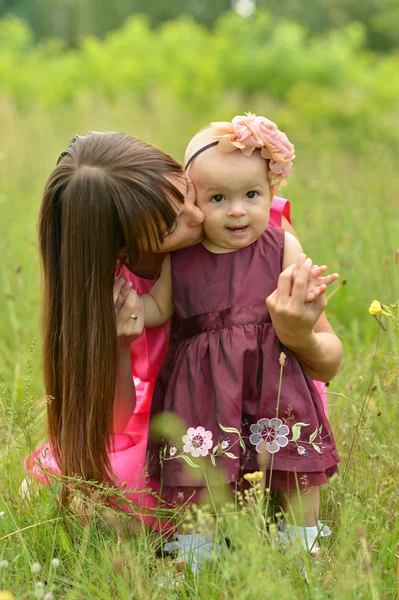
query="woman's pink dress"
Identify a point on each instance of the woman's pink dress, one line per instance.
(128, 458)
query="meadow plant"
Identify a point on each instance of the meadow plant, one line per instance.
(107, 554)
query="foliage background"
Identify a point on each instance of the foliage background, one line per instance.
(328, 74)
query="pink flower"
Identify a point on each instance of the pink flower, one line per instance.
(248, 132)
(246, 135)
(266, 131)
(197, 441)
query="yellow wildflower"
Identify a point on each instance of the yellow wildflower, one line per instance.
(254, 477)
(375, 307)
(4, 595)
(281, 360)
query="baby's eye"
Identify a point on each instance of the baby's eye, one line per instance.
(217, 199)
(252, 195)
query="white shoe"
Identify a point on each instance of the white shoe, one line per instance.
(193, 549)
(307, 536)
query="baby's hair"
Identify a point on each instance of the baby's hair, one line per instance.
(188, 154)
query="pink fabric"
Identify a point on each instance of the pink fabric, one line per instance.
(41, 466)
(147, 353)
(280, 208)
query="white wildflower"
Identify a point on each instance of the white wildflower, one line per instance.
(39, 590)
(35, 568)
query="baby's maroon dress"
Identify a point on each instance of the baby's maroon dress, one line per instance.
(221, 377)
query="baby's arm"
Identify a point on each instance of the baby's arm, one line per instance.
(301, 325)
(158, 307)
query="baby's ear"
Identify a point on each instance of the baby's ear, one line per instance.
(272, 192)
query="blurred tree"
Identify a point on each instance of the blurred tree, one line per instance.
(203, 11)
(67, 19)
(380, 17)
(71, 19)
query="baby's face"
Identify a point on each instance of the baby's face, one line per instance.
(233, 192)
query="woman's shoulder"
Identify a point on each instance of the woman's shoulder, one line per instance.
(280, 208)
(142, 286)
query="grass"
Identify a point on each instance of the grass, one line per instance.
(344, 208)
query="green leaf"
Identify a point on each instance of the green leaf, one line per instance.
(296, 431)
(316, 447)
(229, 429)
(321, 428)
(242, 444)
(189, 461)
(215, 449)
(213, 461)
(313, 436)
(230, 455)
(64, 539)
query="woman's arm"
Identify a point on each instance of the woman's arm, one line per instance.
(127, 303)
(321, 354)
(301, 325)
(125, 392)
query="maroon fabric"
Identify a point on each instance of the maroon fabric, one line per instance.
(222, 369)
(279, 481)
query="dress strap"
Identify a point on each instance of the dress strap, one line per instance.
(280, 208)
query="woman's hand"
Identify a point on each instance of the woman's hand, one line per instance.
(293, 316)
(127, 306)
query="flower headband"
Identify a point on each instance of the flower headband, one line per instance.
(249, 133)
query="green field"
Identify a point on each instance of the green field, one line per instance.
(345, 210)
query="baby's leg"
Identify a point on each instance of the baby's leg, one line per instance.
(198, 545)
(302, 507)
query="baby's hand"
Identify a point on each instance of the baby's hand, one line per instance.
(316, 284)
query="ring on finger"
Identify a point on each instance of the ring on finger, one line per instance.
(134, 317)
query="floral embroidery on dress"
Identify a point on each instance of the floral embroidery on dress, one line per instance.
(296, 435)
(266, 433)
(290, 415)
(271, 433)
(302, 451)
(304, 479)
(197, 442)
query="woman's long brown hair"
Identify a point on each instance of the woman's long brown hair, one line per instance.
(108, 191)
